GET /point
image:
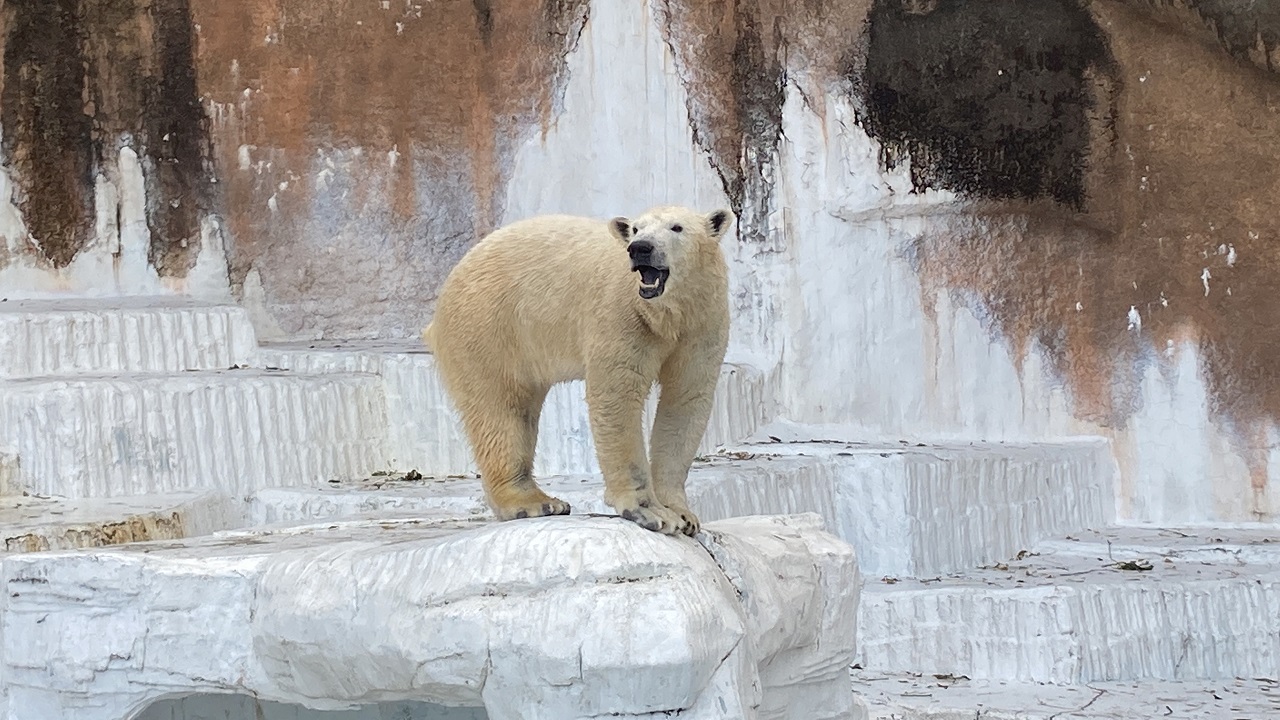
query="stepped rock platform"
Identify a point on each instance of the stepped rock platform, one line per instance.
(1124, 603)
(554, 618)
(194, 526)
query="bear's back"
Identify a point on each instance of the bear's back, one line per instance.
(538, 284)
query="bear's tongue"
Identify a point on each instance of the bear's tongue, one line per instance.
(649, 275)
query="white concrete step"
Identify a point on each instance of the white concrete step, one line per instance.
(221, 706)
(1122, 604)
(426, 432)
(230, 431)
(922, 508)
(543, 619)
(35, 524)
(720, 489)
(40, 338)
(916, 696)
(907, 509)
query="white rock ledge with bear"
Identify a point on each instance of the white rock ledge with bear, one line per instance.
(543, 619)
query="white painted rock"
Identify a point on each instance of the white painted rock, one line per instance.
(549, 619)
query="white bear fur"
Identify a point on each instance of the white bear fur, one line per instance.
(554, 298)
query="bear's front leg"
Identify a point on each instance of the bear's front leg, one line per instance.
(688, 380)
(615, 403)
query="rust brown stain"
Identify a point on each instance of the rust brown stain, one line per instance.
(734, 57)
(136, 528)
(448, 88)
(48, 144)
(1247, 29)
(1196, 168)
(26, 543)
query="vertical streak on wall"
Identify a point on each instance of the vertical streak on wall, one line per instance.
(728, 58)
(117, 55)
(738, 60)
(48, 137)
(176, 143)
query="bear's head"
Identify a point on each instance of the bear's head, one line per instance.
(669, 245)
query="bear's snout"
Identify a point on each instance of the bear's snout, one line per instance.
(641, 252)
(651, 265)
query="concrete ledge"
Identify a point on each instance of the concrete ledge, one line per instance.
(218, 706)
(426, 433)
(909, 511)
(41, 338)
(721, 489)
(918, 696)
(1155, 604)
(230, 431)
(917, 509)
(34, 524)
(555, 619)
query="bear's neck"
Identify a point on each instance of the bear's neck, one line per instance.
(686, 309)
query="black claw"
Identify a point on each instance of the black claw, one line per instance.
(522, 514)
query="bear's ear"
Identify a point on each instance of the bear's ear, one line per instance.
(719, 222)
(621, 229)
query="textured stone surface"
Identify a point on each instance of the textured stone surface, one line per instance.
(8, 472)
(121, 335)
(243, 707)
(926, 697)
(1124, 604)
(426, 432)
(34, 524)
(553, 618)
(228, 431)
(909, 510)
(919, 508)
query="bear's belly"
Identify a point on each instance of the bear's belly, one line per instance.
(548, 363)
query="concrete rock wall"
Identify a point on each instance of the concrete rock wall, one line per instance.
(999, 219)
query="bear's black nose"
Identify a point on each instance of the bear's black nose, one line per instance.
(640, 251)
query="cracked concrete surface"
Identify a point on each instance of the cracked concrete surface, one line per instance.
(914, 696)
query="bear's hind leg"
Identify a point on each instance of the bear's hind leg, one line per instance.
(503, 441)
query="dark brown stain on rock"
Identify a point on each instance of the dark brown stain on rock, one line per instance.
(83, 79)
(484, 20)
(1247, 29)
(992, 100)
(757, 87)
(393, 120)
(735, 59)
(180, 187)
(1191, 258)
(48, 137)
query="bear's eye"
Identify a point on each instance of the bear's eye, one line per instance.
(676, 228)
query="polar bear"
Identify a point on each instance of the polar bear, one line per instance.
(620, 304)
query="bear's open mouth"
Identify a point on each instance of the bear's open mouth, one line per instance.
(653, 280)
